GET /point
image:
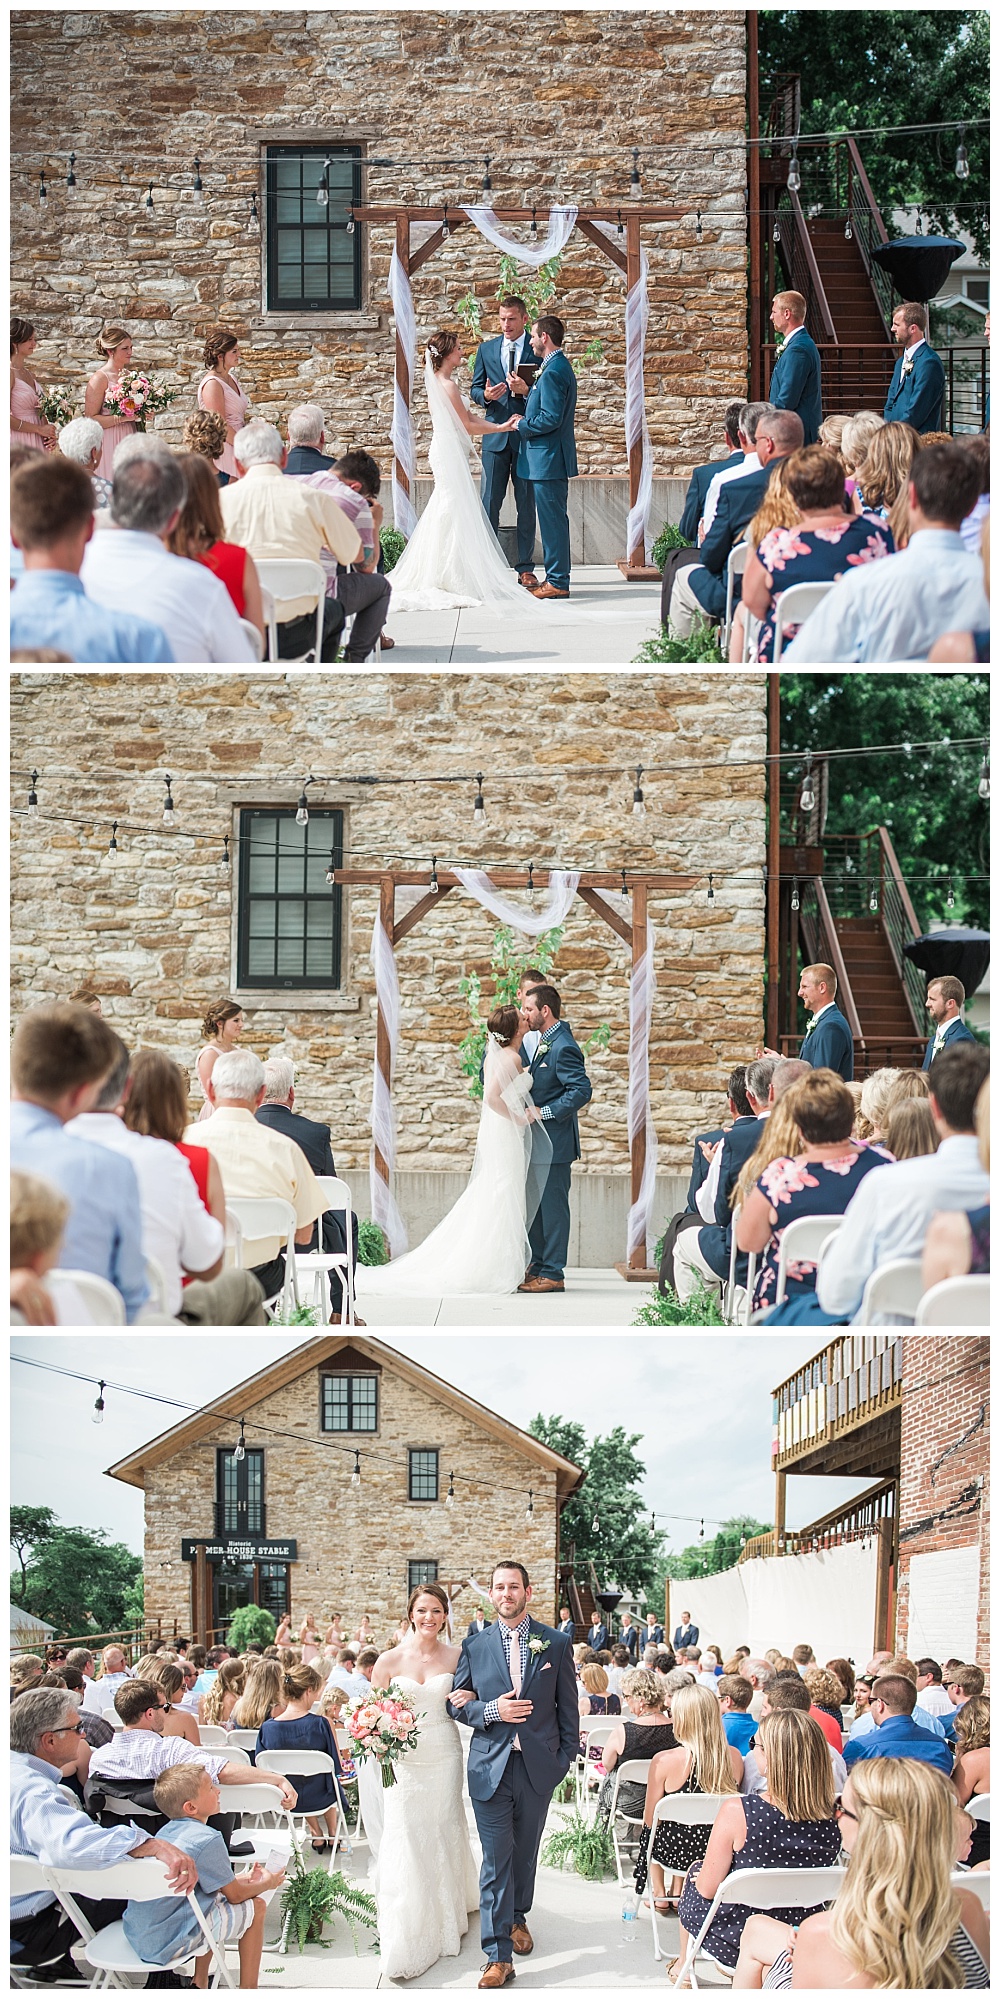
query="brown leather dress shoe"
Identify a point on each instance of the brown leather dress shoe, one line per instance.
(495, 1975)
(549, 590)
(527, 579)
(541, 1284)
(522, 1939)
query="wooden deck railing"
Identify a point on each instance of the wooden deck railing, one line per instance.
(850, 1382)
(859, 1520)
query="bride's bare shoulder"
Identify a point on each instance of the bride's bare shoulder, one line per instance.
(386, 1665)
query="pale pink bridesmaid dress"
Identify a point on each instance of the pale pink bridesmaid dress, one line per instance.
(236, 406)
(112, 437)
(24, 409)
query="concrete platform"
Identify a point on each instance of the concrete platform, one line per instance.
(592, 1298)
(603, 622)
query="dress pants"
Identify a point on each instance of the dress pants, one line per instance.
(551, 501)
(510, 1825)
(364, 596)
(690, 1266)
(685, 608)
(499, 470)
(548, 1234)
(676, 559)
(299, 634)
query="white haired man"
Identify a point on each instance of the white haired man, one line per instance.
(254, 1161)
(83, 441)
(281, 519)
(278, 1112)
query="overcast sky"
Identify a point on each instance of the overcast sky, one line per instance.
(700, 1402)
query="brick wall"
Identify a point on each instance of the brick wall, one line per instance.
(944, 1480)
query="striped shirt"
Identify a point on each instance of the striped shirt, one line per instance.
(46, 1826)
(138, 1754)
(491, 1711)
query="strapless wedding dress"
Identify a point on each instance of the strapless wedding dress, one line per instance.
(426, 1879)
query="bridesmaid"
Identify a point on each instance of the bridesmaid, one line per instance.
(116, 346)
(222, 1027)
(26, 426)
(221, 392)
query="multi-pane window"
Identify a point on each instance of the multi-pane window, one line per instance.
(423, 1474)
(289, 916)
(313, 256)
(421, 1572)
(240, 1492)
(349, 1402)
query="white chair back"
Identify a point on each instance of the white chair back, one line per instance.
(734, 567)
(268, 1216)
(978, 1807)
(635, 1770)
(241, 1738)
(801, 1242)
(285, 579)
(765, 1888)
(977, 1884)
(253, 637)
(212, 1737)
(235, 1753)
(155, 1278)
(246, 1799)
(895, 1287)
(105, 1305)
(317, 1263)
(959, 1301)
(296, 1762)
(680, 1808)
(109, 1951)
(793, 607)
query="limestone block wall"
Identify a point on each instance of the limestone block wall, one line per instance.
(354, 1543)
(558, 100)
(156, 930)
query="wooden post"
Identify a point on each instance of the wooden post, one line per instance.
(200, 1606)
(773, 913)
(636, 556)
(387, 918)
(884, 1618)
(637, 1257)
(402, 359)
(779, 1509)
(753, 201)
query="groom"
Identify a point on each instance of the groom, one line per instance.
(560, 1086)
(548, 450)
(526, 1721)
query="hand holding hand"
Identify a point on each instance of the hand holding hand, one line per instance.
(461, 1697)
(511, 1707)
(511, 423)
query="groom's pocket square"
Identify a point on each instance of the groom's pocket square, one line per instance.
(547, 1668)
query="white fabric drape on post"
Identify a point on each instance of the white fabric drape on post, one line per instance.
(636, 425)
(642, 992)
(401, 431)
(383, 1116)
(562, 222)
(530, 922)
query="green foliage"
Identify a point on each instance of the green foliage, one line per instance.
(665, 1309)
(30, 1528)
(604, 1519)
(929, 801)
(710, 1558)
(135, 1601)
(583, 1844)
(250, 1625)
(669, 537)
(313, 1897)
(510, 957)
(300, 1315)
(883, 66)
(393, 542)
(70, 1576)
(702, 647)
(373, 1249)
(592, 354)
(536, 288)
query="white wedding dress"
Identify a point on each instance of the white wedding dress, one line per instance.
(481, 1245)
(426, 1878)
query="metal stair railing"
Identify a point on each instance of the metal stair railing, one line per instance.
(899, 922)
(868, 227)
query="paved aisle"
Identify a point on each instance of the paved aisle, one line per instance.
(604, 622)
(591, 1298)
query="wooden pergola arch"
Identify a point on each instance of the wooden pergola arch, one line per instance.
(632, 217)
(633, 933)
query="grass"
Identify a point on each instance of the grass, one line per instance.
(701, 647)
(665, 1309)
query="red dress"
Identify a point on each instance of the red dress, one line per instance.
(197, 1157)
(228, 562)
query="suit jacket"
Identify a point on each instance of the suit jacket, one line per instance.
(917, 399)
(685, 1634)
(304, 458)
(830, 1045)
(955, 1032)
(654, 1637)
(795, 383)
(716, 1240)
(597, 1637)
(549, 1738)
(314, 1140)
(700, 1166)
(738, 503)
(630, 1639)
(697, 493)
(559, 1079)
(548, 446)
(475, 1631)
(489, 371)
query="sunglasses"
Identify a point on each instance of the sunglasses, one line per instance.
(841, 1812)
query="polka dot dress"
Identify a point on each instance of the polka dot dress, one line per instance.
(771, 1841)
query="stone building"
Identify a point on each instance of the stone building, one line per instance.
(138, 97)
(445, 1489)
(167, 929)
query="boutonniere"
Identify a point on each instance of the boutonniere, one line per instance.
(907, 368)
(542, 1049)
(536, 1646)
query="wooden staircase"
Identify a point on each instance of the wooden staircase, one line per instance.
(858, 376)
(875, 983)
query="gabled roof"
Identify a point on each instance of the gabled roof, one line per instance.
(241, 1399)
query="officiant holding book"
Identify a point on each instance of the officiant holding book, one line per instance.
(498, 363)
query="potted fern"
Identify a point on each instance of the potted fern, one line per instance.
(583, 1844)
(313, 1897)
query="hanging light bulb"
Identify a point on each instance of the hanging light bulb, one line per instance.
(701, 1531)
(351, 225)
(776, 234)
(534, 225)
(254, 218)
(743, 1540)
(479, 802)
(487, 183)
(595, 1525)
(43, 192)
(302, 811)
(113, 843)
(356, 1473)
(323, 190)
(794, 176)
(796, 902)
(149, 200)
(529, 1510)
(197, 188)
(241, 1450)
(531, 877)
(918, 227)
(697, 224)
(848, 231)
(873, 900)
(848, 865)
(331, 873)
(807, 796)
(445, 224)
(984, 778)
(949, 901)
(711, 890)
(33, 797)
(624, 886)
(961, 157)
(638, 800)
(450, 1494)
(225, 852)
(435, 884)
(635, 184)
(169, 815)
(98, 1415)
(620, 231)
(71, 177)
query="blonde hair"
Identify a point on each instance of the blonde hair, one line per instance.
(178, 1786)
(301, 1680)
(799, 1770)
(594, 1678)
(897, 1913)
(794, 302)
(697, 1720)
(884, 471)
(782, 1139)
(972, 1723)
(857, 435)
(111, 337)
(831, 432)
(639, 1682)
(25, 1670)
(824, 1687)
(777, 509)
(230, 1679)
(261, 1693)
(876, 1092)
(38, 1214)
(910, 1131)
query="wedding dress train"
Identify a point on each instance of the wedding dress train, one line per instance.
(426, 1878)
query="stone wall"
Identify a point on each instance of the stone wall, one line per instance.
(944, 1486)
(557, 99)
(354, 1543)
(155, 932)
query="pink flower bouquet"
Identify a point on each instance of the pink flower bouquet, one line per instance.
(383, 1726)
(135, 396)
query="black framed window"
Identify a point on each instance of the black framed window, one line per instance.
(313, 260)
(420, 1572)
(423, 1474)
(288, 931)
(349, 1402)
(239, 1495)
(272, 1588)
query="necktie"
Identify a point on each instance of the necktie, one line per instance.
(508, 357)
(515, 1671)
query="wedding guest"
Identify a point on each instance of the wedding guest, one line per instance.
(165, 1929)
(157, 1106)
(27, 427)
(278, 518)
(957, 1243)
(644, 1735)
(971, 1775)
(883, 468)
(200, 535)
(115, 343)
(971, 530)
(777, 510)
(827, 1697)
(749, 425)
(735, 1695)
(354, 482)
(702, 476)
(700, 592)
(824, 544)
(795, 382)
(83, 442)
(593, 1695)
(278, 1112)
(38, 1216)
(204, 432)
(703, 1762)
(910, 1130)
(217, 1704)
(220, 392)
(916, 392)
(945, 1001)
(621, 1661)
(257, 1162)
(298, 1728)
(855, 438)
(262, 1694)
(177, 1720)
(51, 522)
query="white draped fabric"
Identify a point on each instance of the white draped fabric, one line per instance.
(530, 922)
(562, 222)
(401, 430)
(830, 1594)
(642, 992)
(383, 1116)
(636, 426)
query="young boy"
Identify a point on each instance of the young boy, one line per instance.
(232, 1904)
(38, 1216)
(735, 1695)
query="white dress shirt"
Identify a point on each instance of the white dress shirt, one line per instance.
(934, 1700)
(751, 463)
(889, 1217)
(895, 608)
(256, 1162)
(139, 1753)
(127, 571)
(705, 1198)
(176, 1227)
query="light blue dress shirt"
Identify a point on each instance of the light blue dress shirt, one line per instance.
(45, 1826)
(50, 609)
(104, 1230)
(865, 1725)
(897, 608)
(889, 1217)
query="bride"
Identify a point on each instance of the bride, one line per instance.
(426, 1879)
(453, 559)
(482, 1244)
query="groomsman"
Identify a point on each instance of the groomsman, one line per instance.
(795, 383)
(497, 361)
(629, 1637)
(560, 1086)
(945, 1000)
(479, 1623)
(828, 1041)
(916, 391)
(597, 1636)
(686, 1633)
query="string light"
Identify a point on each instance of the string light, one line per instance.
(225, 851)
(701, 1531)
(534, 225)
(848, 231)
(638, 800)
(351, 224)
(197, 188)
(697, 224)
(949, 901)
(635, 184)
(531, 877)
(254, 218)
(794, 176)
(711, 890)
(169, 816)
(323, 190)
(241, 1450)
(620, 231)
(873, 900)
(479, 802)
(356, 1473)
(595, 1525)
(624, 886)
(487, 183)
(149, 199)
(450, 1494)
(98, 1415)
(71, 177)
(302, 809)
(796, 903)
(43, 192)
(961, 157)
(445, 224)
(807, 796)
(984, 778)
(435, 884)
(529, 1510)
(776, 234)
(113, 843)
(33, 797)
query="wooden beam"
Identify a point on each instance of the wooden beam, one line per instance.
(619, 924)
(434, 242)
(420, 909)
(652, 212)
(387, 910)
(508, 878)
(597, 237)
(637, 1258)
(402, 359)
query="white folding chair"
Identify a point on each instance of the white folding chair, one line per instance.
(978, 1807)
(259, 1802)
(793, 607)
(751, 627)
(895, 1287)
(764, 1888)
(734, 567)
(212, 1737)
(241, 1738)
(801, 1242)
(157, 1300)
(594, 1729)
(105, 1305)
(294, 1763)
(959, 1301)
(978, 1884)
(635, 1770)
(285, 579)
(254, 637)
(108, 1951)
(679, 1808)
(27, 1877)
(270, 1216)
(317, 1263)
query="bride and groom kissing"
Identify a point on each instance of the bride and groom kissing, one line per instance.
(514, 1685)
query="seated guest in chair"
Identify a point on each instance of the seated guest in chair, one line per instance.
(279, 1113)
(700, 592)
(353, 481)
(281, 519)
(702, 476)
(703, 1255)
(51, 523)
(826, 542)
(233, 1906)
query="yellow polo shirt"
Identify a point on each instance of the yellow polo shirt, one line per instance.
(256, 1162)
(277, 518)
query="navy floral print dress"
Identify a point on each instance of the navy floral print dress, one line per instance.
(816, 555)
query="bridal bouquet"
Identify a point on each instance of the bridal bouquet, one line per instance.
(57, 406)
(135, 396)
(381, 1725)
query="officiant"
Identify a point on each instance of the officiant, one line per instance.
(498, 363)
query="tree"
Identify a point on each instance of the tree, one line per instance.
(875, 66)
(74, 1579)
(30, 1527)
(711, 1558)
(604, 1519)
(928, 801)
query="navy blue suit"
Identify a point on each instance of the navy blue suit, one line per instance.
(738, 503)
(916, 399)
(511, 1788)
(474, 1629)
(597, 1637)
(305, 458)
(502, 454)
(955, 1032)
(314, 1140)
(654, 1637)
(559, 1081)
(716, 1239)
(685, 1635)
(629, 1637)
(795, 383)
(548, 459)
(830, 1044)
(697, 493)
